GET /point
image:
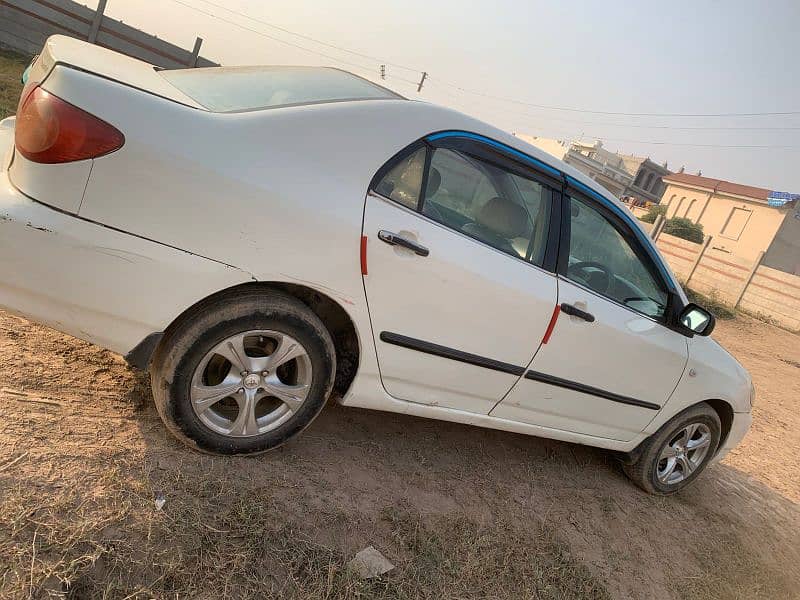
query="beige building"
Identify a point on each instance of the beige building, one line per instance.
(623, 175)
(738, 216)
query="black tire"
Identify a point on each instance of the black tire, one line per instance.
(645, 470)
(186, 344)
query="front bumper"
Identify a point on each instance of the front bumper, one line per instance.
(739, 428)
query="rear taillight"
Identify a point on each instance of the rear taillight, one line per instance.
(50, 130)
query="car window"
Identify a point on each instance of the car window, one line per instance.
(403, 182)
(499, 208)
(230, 89)
(601, 259)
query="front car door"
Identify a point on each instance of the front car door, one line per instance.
(458, 286)
(611, 361)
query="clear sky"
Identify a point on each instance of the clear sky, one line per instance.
(686, 57)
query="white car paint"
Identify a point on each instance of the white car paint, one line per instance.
(196, 202)
(95, 283)
(624, 336)
(465, 295)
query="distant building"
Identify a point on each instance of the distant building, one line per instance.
(648, 181)
(624, 175)
(606, 168)
(743, 219)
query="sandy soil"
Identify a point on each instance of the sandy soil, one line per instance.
(76, 422)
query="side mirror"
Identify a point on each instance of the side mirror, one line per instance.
(697, 319)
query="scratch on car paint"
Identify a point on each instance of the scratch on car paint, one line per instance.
(37, 228)
(130, 257)
(9, 218)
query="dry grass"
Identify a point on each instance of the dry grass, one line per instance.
(101, 536)
(728, 570)
(710, 302)
(11, 67)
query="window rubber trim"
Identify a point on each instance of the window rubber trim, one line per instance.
(536, 163)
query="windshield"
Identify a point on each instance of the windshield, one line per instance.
(234, 89)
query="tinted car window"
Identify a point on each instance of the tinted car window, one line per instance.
(230, 89)
(601, 259)
(403, 182)
(499, 208)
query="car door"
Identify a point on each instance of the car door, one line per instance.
(458, 237)
(611, 361)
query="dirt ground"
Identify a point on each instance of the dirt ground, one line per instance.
(461, 511)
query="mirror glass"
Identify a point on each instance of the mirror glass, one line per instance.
(695, 318)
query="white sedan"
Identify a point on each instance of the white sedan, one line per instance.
(262, 238)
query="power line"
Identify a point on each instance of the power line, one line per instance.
(311, 39)
(686, 144)
(641, 126)
(435, 80)
(607, 112)
(725, 146)
(273, 38)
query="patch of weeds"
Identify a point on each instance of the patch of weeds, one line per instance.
(11, 67)
(102, 536)
(728, 570)
(712, 303)
(455, 557)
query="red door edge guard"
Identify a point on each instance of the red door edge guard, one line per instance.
(551, 325)
(363, 255)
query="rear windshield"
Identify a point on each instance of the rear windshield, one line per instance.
(233, 89)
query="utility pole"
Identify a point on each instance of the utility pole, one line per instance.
(94, 28)
(421, 81)
(383, 71)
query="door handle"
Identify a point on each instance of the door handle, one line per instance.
(394, 239)
(574, 311)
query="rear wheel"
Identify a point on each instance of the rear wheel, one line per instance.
(678, 452)
(243, 374)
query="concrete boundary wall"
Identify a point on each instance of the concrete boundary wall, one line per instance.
(743, 284)
(26, 24)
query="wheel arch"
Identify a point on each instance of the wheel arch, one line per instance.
(331, 313)
(723, 409)
(725, 412)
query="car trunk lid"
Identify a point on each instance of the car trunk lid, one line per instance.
(57, 140)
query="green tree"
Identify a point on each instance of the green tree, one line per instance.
(652, 213)
(685, 229)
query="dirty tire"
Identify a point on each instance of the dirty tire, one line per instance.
(187, 342)
(644, 471)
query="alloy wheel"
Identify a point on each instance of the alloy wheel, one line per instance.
(251, 383)
(683, 453)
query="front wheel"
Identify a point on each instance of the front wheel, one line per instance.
(243, 374)
(678, 452)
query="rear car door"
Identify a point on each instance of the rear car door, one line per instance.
(458, 243)
(611, 361)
